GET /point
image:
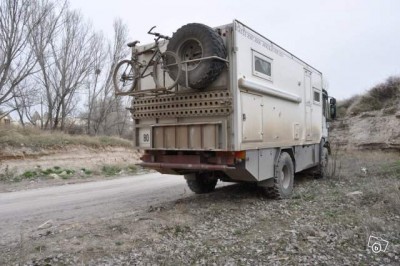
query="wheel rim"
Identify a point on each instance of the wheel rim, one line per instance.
(324, 164)
(285, 177)
(325, 161)
(125, 77)
(170, 64)
(191, 50)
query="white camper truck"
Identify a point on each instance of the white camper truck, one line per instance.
(228, 104)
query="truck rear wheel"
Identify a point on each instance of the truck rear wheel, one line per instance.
(323, 165)
(201, 183)
(191, 43)
(284, 178)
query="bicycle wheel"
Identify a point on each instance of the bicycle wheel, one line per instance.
(167, 62)
(124, 77)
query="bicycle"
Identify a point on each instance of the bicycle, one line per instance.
(128, 72)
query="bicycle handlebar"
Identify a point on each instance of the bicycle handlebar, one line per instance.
(149, 32)
(157, 34)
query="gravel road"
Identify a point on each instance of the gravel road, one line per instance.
(153, 219)
(85, 201)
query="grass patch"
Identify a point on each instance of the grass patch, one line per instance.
(8, 174)
(111, 170)
(35, 138)
(391, 169)
(29, 174)
(57, 172)
(86, 171)
(49, 173)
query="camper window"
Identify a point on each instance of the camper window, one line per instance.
(317, 96)
(262, 66)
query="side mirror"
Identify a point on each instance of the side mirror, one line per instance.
(332, 110)
(332, 101)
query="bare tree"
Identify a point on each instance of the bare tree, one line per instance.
(25, 97)
(48, 53)
(47, 31)
(93, 85)
(64, 65)
(101, 101)
(18, 19)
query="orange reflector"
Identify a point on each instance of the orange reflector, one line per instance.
(240, 155)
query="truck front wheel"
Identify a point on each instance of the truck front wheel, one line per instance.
(201, 183)
(323, 165)
(284, 178)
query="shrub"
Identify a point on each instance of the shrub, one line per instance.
(111, 170)
(384, 95)
(344, 105)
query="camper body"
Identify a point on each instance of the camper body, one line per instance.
(261, 120)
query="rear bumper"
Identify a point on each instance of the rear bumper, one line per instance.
(210, 167)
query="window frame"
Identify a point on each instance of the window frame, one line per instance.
(265, 58)
(316, 90)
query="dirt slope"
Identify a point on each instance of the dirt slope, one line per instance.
(368, 130)
(22, 169)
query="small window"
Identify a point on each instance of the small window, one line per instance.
(317, 96)
(262, 66)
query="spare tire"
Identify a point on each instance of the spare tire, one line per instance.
(194, 41)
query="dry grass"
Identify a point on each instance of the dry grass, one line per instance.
(344, 105)
(384, 95)
(34, 138)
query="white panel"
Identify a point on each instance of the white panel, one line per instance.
(308, 101)
(252, 162)
(266, 161)
(251, 117)
(144, 137)
(286, 98)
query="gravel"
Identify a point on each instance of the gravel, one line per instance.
(323, 224)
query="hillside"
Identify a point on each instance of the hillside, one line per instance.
(371, 120)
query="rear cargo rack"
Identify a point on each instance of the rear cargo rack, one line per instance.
(163, 90)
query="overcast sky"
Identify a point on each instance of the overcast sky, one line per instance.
(355, 44)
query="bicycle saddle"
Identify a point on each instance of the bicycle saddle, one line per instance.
(132, 44)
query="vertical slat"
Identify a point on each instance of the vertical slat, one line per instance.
(182, 137)
(159, 137)
(169, 135)
(209, 137)
(195, 137)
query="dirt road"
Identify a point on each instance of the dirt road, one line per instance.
(26, 210)
(153, 219)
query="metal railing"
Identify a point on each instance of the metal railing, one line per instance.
(164, 90)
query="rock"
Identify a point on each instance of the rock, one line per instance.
(354, 193)
(54, 176)
(45, 225)
(364, 170)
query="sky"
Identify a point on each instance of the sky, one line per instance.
(354, 43)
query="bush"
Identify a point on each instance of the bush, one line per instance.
(344, 105)
(111, 170)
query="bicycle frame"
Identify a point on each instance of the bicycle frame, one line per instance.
(136, 55)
